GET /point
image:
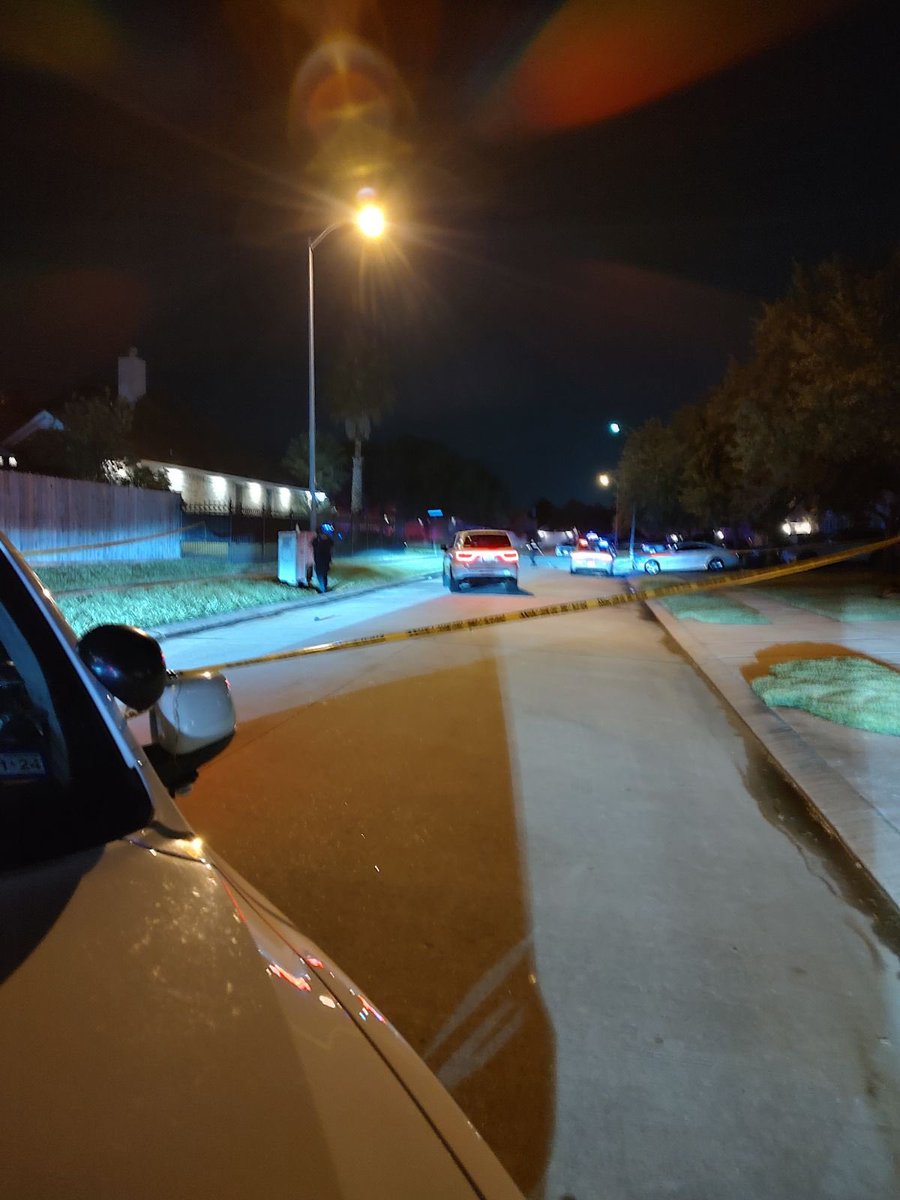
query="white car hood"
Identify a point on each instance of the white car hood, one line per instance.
(151, 1049)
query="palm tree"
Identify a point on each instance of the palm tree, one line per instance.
(360, 394)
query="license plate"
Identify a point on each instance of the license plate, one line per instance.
(22, 764)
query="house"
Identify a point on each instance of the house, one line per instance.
(211, 491)
(202, 489)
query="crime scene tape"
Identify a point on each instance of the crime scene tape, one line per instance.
(550, 610)
(144, 537)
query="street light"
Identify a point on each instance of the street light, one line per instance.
(370, 221)
(615, 428)
(605, 480)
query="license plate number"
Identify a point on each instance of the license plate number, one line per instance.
(24, 764)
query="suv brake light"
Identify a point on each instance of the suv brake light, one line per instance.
(464, 555)
(508, 556)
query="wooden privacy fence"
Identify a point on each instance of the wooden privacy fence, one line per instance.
(40, 513)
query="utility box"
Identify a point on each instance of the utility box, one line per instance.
(295, 557)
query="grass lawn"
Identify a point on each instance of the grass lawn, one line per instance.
(713, 608)
(850, 602)
(83, 576)
(153, 606)
(848, 690)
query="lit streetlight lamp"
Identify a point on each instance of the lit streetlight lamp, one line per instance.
(370, 221)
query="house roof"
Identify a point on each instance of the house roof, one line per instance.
(43, 419)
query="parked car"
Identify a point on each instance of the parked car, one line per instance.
(481, 554)
(690, 556)
(164, 1030)
(592, 554)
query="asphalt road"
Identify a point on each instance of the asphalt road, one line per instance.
(559, 866)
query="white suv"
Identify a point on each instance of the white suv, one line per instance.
(481, 554)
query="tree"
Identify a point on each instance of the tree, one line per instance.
(411, 474)
(812, 419)
(649, 475)
(359, 394)
(165, 427)
(332, 468)
(95, 442)
(846, 386)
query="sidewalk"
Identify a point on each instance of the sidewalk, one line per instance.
(849, 776)
(304, 599)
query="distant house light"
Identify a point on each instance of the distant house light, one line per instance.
(219, 487)
(720, 534)
(255, 492)
(284, 495)
(176, 479)
(804, 526)
(115, 469)
(12, 461)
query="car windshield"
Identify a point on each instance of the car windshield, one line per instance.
(64, 783)
(487, 541)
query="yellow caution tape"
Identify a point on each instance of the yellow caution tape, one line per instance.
(550, 610)
(145, 537)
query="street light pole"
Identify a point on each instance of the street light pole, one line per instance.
(631, 539)
(313, 506)
(616, 428)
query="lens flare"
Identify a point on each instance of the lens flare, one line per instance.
(593, 61)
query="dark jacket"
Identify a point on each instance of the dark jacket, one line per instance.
(322, 547)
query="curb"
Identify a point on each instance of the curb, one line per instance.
(833, 802)
(239, 616)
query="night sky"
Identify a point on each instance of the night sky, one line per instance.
(590, 202)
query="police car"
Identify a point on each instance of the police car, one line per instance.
(592, 553)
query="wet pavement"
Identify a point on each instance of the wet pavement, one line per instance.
(577, 885)
(850, 777)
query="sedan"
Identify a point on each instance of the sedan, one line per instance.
(691, 556)
(164, 1030)
(481, 554)
(592, 555)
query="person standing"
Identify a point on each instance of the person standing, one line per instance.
(322, 549)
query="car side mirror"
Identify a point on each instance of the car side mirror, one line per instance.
(127, 662)
(192, 721)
